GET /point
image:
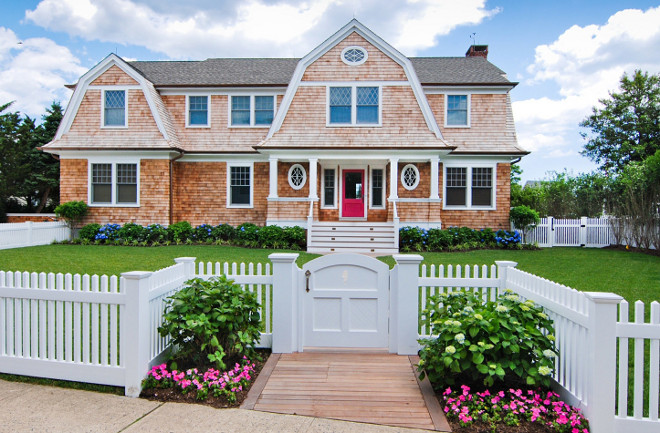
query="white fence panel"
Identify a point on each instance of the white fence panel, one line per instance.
(641, 336)
(18, 235)
(577, 232)
(255, 279)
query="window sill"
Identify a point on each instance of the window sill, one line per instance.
(114, 126)
(449, 207)
(198, 126)
(458, 126)
(114, 205)
(354, 125)
(240, 206)
(249, 126)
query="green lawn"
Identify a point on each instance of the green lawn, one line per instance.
(632, 275)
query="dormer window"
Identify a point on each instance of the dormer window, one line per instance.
(354, 56)
(252, 110)
(198, 111)
(114, 108)
(457, 113)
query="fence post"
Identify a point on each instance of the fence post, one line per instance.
(404, 294)
(285, 302)
(551, 232)
(583, 231)
(502, 266)
(601, 353)
(188, 266)
(135, 330)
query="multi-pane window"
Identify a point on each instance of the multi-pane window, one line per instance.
(410, 177)
(482, 186)
(252, 110)
(198, 110)
(457, 110)
(340, 104)
(329, 187)
(114, 184)
(114, 108)
(367, 105)
(239, 186)
(469, 186)
(353, 105)
(377, 187)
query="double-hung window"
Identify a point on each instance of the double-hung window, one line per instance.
(469, 187)
(114, 184)
(353, 105)
(114, 108)
(458, 110)
(239, 183)
(377, 188)
(198, 111)
(252, 110)
(329, 187)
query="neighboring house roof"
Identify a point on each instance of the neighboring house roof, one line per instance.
(278, 72)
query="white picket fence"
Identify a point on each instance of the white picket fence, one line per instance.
(18, 235)
(578, 232)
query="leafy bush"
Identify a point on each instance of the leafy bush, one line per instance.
(89, 231)
(224, 232)
(464, 235)
(72, 212)
(180, 232)
(155, 233)
(439, 240)
(524, 218)
(131, 232)
(412, 237)
(210, 321)
(246, 233)
(203, 232)
(108, 232)
(271, 236)
(455, 239)
(296, 237)
(487, 237)
(508, 239)
(479, 343)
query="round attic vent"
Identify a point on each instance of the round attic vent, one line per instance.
(354, 55)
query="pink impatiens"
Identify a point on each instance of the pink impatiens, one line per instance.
(512, 407)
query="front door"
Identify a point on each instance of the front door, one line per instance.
(353, 194)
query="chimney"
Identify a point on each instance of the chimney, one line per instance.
(477, 51)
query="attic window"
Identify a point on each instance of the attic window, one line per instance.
(354, 56)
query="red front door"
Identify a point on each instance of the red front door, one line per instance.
(353, 194)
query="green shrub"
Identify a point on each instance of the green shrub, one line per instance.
(271, 236)
(412, 237)
(480, 343)
(155, 233)
(180, 232)
(224, 232)
(296, 237)
(246, 233)
(72, 212)
(487, 237)
(89, 232)
(132, 232)
(439, 240)
(203, 232)
(212, 321)
(524, 218)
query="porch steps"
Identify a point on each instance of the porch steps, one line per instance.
(353, 237)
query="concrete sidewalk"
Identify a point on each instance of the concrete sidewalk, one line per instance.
(45, 409)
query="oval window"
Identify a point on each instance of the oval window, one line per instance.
(354, 55)
(297, 176)
(410, 177)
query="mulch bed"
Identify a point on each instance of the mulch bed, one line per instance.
(174, 395)
(525, 427)
(633, 249)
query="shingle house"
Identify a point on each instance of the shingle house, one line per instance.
(351, 142)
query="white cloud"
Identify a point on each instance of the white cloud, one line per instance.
(585, 63)
(252, 27)
(33, 73)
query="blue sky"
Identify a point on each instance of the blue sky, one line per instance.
(565, 54)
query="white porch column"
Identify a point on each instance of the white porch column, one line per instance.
(434, 178)
(312, 178)
(394, 171)
(272, 180)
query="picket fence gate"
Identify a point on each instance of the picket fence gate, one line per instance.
(576, 232)
(28, 234)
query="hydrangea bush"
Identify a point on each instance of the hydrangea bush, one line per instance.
(481, 343)
(511, 408)
(212, 381)
(456, 239)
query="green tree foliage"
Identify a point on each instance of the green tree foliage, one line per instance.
(627, 128)
(524, 218)
(26, 172)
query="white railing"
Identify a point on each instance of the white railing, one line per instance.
(18, 235)
(640, 335)
(256, 279)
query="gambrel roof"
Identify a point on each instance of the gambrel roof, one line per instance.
(278, 72)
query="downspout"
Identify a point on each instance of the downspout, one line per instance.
(172, 161)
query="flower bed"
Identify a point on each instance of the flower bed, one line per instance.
(486, 411)
(457, 239)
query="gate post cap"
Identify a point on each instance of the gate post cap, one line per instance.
(506, 263)
(408, 258)
(283, 257)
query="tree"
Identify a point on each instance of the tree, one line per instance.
(627, 128)
(524, 218)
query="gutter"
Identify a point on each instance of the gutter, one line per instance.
(172, 161)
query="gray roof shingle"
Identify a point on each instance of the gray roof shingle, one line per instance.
(278, 71)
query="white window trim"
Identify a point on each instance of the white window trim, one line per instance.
(353, 123)
(240, 164)
(468, 189)
(114, 163)
(252, 107)
(125, 125)
(403, 170)
(383, 199)
(304, 172)
(336, 203)
(469, 109)
(208, 112)
(366, 55)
